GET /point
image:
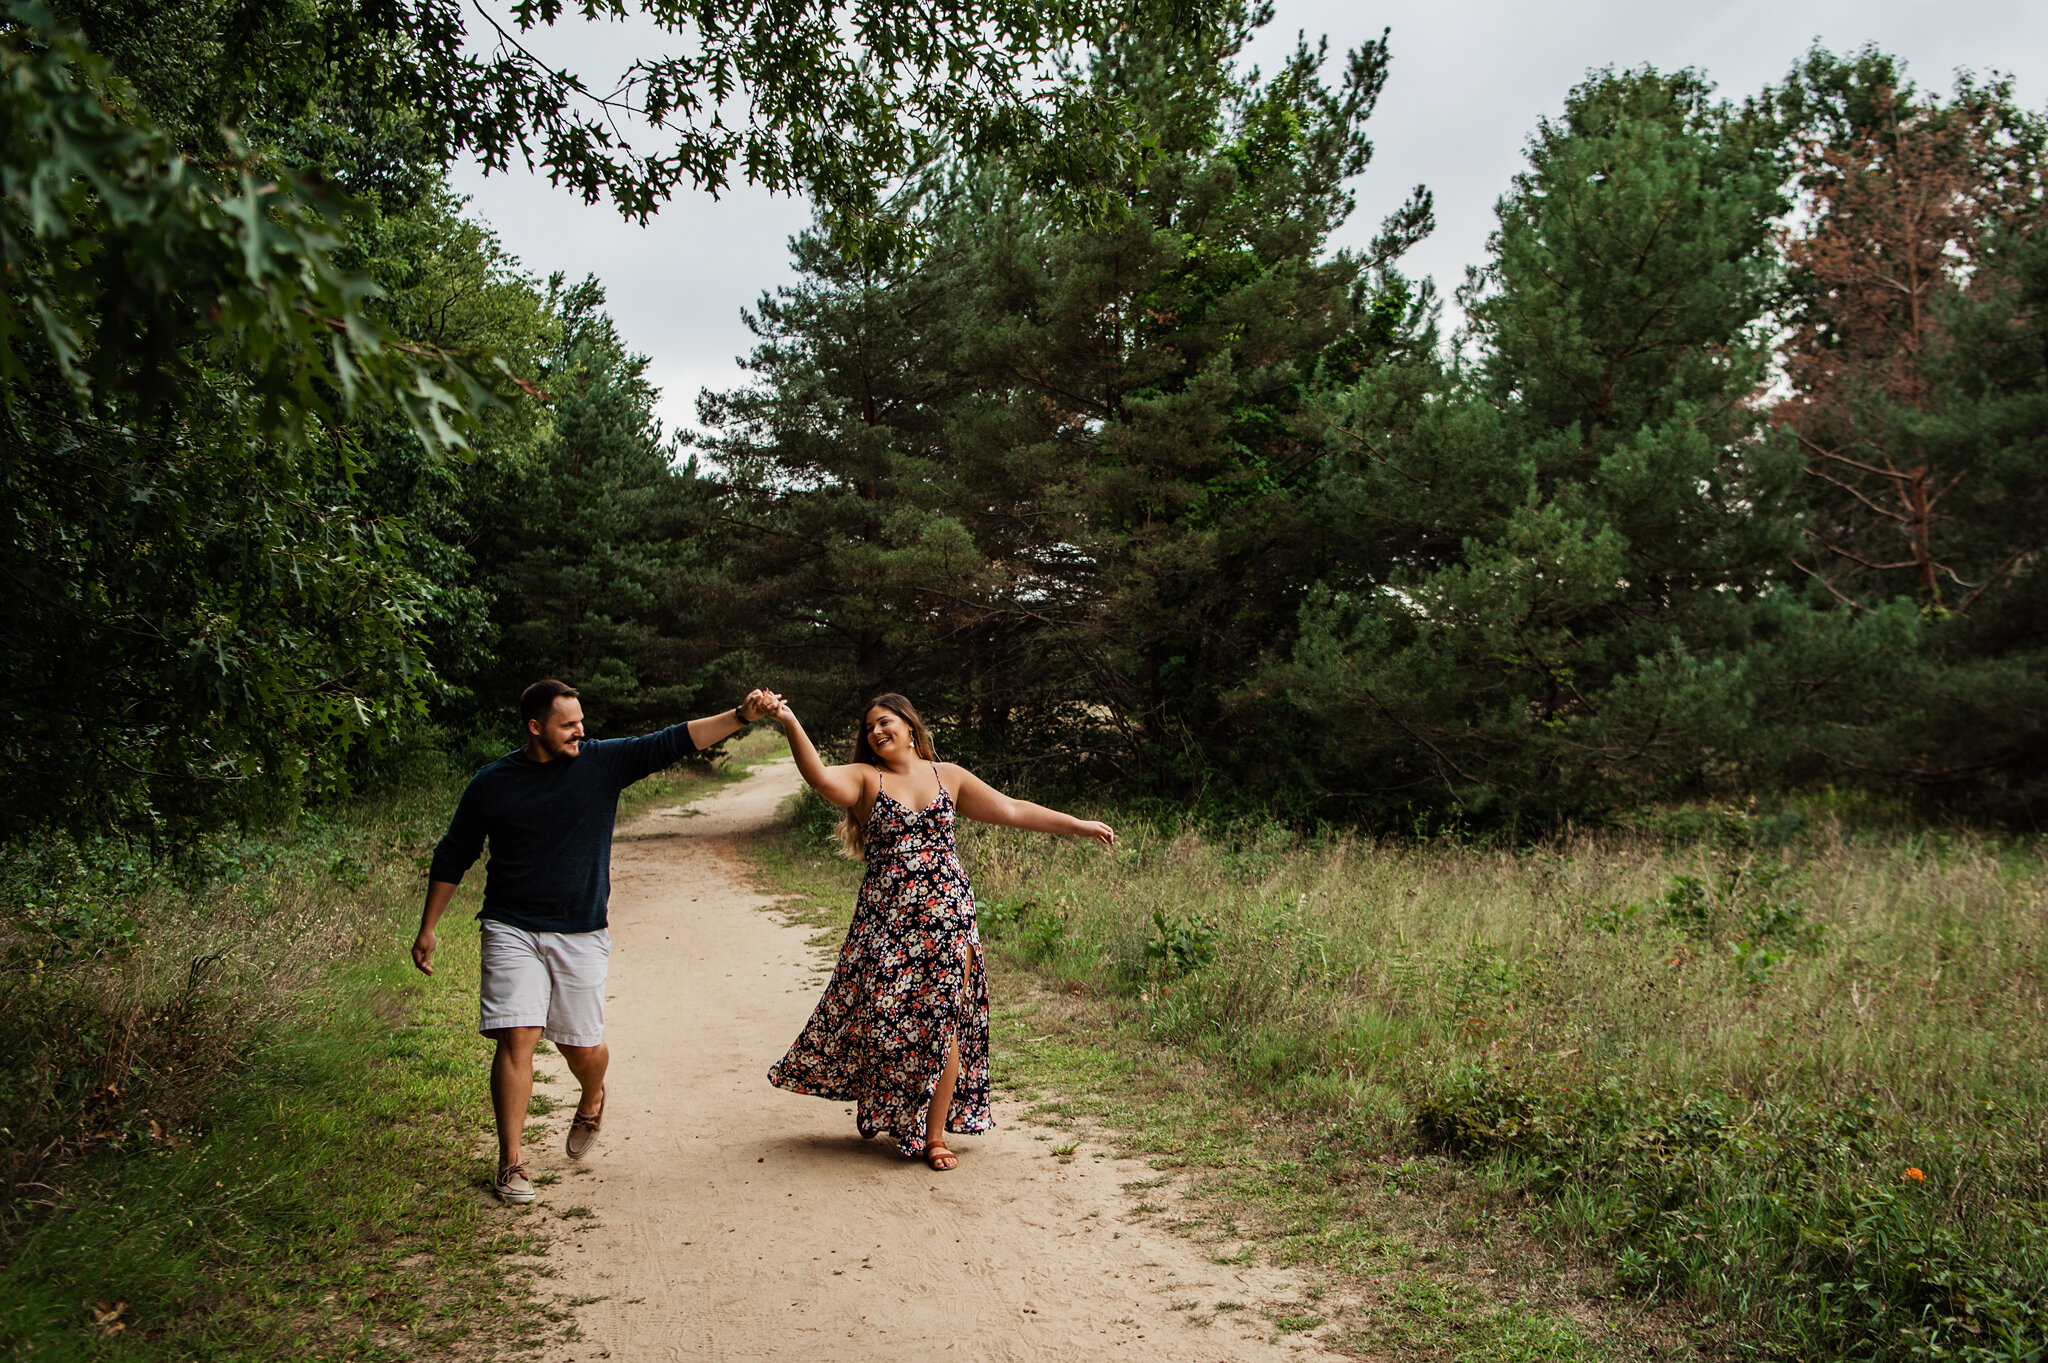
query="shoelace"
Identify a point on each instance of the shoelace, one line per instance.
(510, 1172)
(585, 1119)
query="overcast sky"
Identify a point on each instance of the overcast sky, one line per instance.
(1470, 79)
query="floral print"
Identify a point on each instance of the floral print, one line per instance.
(909, 980)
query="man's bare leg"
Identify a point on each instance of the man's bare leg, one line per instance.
(935, 1151)
(588, 1064)
(512, 1089)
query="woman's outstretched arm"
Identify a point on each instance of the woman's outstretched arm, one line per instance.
(843, 786)
(983, 803)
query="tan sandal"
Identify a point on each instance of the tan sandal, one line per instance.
(934, 1153)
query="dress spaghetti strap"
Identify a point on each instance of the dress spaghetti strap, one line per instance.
(940, 779)
(872, 804)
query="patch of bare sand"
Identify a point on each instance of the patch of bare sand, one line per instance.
(722, 1218)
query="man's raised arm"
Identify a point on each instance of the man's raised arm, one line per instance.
(711, 729)
(666, 747)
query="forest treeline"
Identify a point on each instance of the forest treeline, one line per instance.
(1732, 477)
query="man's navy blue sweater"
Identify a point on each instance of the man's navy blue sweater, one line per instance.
(550, 829)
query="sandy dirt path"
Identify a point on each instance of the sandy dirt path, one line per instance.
(729, 1220)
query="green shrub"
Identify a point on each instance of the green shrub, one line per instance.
(816, 819)
(1806, 1213)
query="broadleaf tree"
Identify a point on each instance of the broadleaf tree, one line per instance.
(198, 620)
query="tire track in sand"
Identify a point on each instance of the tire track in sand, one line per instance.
(729, 1220)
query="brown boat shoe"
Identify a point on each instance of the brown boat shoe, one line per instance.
(583, 1129)
(512, 1184)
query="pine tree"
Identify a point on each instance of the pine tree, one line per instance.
(1555, 551)
(844, 566)
(1180, 358)
(1045, 477)
(1900, 193)
(1917, 373)
(1961, 718)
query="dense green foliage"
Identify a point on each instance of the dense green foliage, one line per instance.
(199, 610)
(262, 514)
(1552, 553)
(1169, 495)
(268, 524)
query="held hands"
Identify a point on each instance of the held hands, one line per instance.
(423, 951)
(760, 704)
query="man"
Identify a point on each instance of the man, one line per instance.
(547, 811)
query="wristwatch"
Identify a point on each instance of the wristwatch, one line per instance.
(739, 713)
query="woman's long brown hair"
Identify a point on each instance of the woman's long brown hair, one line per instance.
(854, 836)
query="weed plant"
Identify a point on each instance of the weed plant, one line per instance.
(1787, 1073)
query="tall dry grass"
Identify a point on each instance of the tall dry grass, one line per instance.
(1803, 1079)
(135, 991)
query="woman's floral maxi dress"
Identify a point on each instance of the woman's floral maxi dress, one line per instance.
(909, 979)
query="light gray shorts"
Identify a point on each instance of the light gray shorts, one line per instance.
(550, 980)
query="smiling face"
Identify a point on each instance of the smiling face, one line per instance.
(561, 733)
(889, 738)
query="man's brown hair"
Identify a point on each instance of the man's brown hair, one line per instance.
(538, 699)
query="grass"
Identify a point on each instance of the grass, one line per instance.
(1774, 1087)
(239, 1124)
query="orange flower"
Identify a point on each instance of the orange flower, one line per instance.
(1914, 1175)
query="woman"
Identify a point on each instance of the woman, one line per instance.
(903, 1027)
